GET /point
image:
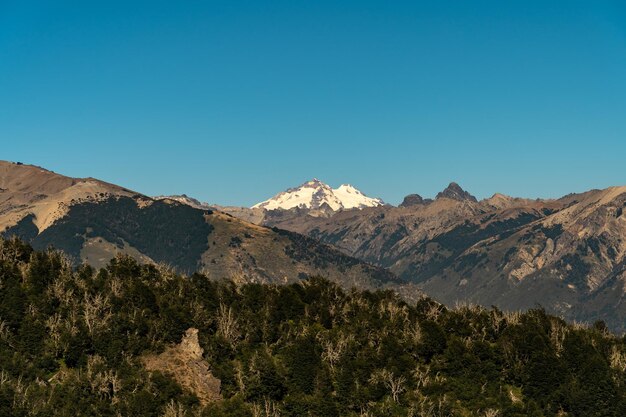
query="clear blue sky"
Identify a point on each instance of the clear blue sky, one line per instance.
(231, 101)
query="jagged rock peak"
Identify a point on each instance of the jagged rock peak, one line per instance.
(412, 200)
(455, 192)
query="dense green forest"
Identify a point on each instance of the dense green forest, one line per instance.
(73, 342)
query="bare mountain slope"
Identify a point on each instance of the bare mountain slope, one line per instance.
(92, 221)
(27, 189)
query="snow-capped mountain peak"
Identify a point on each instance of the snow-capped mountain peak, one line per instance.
(315, 194)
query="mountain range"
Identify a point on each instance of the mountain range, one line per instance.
(566, 255)
(93, 221)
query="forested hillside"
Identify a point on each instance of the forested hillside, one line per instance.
(141, 340)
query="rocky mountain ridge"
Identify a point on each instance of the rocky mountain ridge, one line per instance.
(185, 199)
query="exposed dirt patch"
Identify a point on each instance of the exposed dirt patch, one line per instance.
(185, 364)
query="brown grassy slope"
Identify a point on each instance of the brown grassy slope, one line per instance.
(31, 190)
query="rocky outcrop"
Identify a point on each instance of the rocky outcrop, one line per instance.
(185, 364)
(455, 192)
(413, 200)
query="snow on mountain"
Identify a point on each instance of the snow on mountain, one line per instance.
(315, 194)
